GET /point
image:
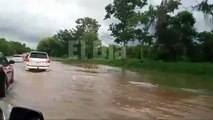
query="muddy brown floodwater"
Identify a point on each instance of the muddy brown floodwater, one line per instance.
(101, 92)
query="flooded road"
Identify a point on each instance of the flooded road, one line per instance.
(101, 92)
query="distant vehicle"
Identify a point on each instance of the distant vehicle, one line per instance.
(25, 56)
(37, 60)
(6, 74)
(18, 58)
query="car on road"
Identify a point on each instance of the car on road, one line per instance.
(6, 74)
(37, 61)
(18, 58)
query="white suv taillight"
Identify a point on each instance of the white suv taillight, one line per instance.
(48, 60)
(28, 60)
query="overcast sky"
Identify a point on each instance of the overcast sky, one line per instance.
(30, 20)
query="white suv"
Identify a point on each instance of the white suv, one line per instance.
(37, 60)
(17, 58)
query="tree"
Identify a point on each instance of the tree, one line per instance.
(205, 7)
(52, 46)
(143, 22)
(12, 47)
(89, 39)
(62, 38)
(87, 24)
(206, 40)
(87, 31)
(57, 45)
(184, 32)
(176, 38)
(5, 47)
(134, 51)
(123, 10)
(44, 45)
(164, 48)
(166, 6)
(19, 47)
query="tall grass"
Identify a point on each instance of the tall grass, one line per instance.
(171, 67)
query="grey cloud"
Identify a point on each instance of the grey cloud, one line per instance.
(22, 30)
(30, 20)
(17, 24)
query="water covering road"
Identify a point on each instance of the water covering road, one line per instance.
(101, 92)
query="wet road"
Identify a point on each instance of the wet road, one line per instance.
(100, 92)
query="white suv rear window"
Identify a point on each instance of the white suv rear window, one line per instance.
(38, 55)
(17, 56)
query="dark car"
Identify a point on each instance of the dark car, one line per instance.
(6, 74)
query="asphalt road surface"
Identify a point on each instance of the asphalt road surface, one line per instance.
(101, 92)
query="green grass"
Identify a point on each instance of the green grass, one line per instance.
(58, 58)
(174, 67)
(202, 83)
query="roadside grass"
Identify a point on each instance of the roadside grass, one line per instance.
(159, 66)
(200, 83)
(58, 58)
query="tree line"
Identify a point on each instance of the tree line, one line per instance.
(86, 30)
(157, 31)
(9, 48)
